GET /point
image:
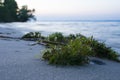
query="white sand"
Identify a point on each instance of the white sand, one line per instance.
(20, 61)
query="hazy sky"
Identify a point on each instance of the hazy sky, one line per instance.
(75, 9)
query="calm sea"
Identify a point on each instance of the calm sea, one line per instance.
(106, 31)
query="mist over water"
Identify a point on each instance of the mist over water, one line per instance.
(108, 32)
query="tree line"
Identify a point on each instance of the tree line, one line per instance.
(10, 12)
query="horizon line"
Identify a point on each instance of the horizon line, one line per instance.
(80, 20)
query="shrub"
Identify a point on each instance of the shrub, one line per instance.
(56, 37)
(32, 36)
(102, 51)
(99, 49)
(77, 50)
(72, 49)
(75, 53)
(73, 37)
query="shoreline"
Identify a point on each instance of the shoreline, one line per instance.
(21, 61)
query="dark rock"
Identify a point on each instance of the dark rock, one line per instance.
(1, 33)
(98, 62)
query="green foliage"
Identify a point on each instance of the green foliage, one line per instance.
(24, 14)
(73, 37)
(56, 37)
(102, 51)
(11, 7)
(32, 36)
(2, 15)
(9, 12)
(77, 50)
(75, 53)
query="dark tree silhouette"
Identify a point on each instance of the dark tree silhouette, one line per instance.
(9, 12)
(24, 14)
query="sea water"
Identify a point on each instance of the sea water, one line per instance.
(105, 31)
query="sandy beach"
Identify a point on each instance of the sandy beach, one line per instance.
(79, 36)
(20, 61)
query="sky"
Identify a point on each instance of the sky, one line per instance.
(74, 9)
